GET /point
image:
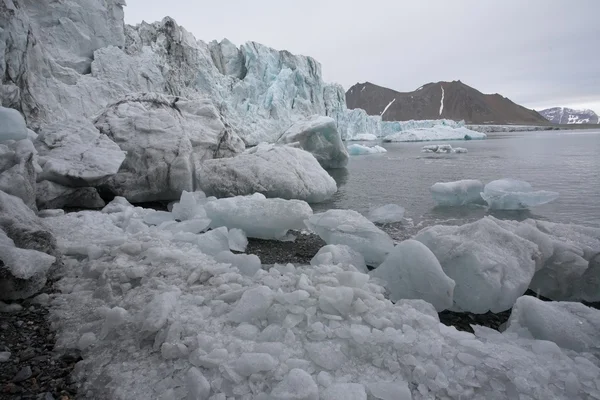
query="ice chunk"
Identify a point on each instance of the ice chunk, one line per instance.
(247, 264)
(197, 385)
(327, 355)
(213, 242)
(512, 194)
(569, 325)
(457, 193)
(189, 226)
(23, 271)
(359, 149)
(412, 271)
(253, 305)
(158, 217)
(251, 363)
(387, 214)
(350, 228)
(346, 391)
(333, 254)
(297, 385)
(319, 136)
(237, 240)
(491, 266)
(12, 125)
(86, 340)
(336, 300)
(397, 390)
(189, 206)
(275, 171)
(259, 217)
(158, 310)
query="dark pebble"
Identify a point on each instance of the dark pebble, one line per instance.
(27, 354)
(23, 374)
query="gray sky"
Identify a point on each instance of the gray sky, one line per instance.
(538, 53)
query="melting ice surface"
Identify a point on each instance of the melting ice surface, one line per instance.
(512, 194)
(155, 317)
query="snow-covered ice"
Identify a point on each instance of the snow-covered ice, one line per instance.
(386, 214)
(275, 171)
(257, 216)
(457, 193)
(359, 149)
(512, 194)
(350, 228)
(412, 271)
(319, 136)
(491, 266)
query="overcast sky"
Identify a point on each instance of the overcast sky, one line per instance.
(539, 53)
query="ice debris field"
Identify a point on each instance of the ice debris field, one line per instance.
(162, 310)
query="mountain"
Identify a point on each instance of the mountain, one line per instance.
(563, 115)
(451, 100)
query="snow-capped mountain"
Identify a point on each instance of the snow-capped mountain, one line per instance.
(451, 100)
(564, 115)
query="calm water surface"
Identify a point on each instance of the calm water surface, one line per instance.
(567, 162)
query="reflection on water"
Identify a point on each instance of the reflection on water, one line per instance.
(557, 161)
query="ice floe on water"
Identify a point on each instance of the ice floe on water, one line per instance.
(443, 149)
(359, 149)
(457, 193)
(155, 317)
(513, 194)
(386, 214)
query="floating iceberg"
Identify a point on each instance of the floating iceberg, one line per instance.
(512, 194)
(457, 193)
(437, 132)
(275, 171)
(257, 216)
(387, 214)
(359, 149)
(491, 266)
(443, 149)
(350, 228)
(412, 271)
(319, 136)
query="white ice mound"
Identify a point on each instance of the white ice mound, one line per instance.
(512, 194)
(359, 149)
(75, 153)
(12, 125)
(333, 254)
(350, 228)
(412, 271)
(457, 193)
(443, 149)
(275, 171)
(387, 214)
(319, 136)
(491, 266)
(571, 326)
(257, 216)
(436, 132)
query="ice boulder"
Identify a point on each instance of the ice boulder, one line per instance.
(387, 214)
(319, 136)
(412, 271)
(20, 179)
(164, 138)
(12, 125)
(238, 241)
(247, 264)
(296, 385)
(333, 254)
(457, 193)
(50, 195)
(350, 228)
(491, 266)
(512, 194)
(275, 171)
(76, 154)
(257, 216)
(359, 149)
(572, 326)
(214, 241)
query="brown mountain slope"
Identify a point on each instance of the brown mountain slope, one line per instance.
(461, 102)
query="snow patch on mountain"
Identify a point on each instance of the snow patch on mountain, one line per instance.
(564, 115)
